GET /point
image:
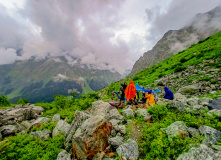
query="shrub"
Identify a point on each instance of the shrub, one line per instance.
(158, 112)
(182, 60)
(4, 101)
(22, 101)
(24, 147)
(179, 68)
(61, 102)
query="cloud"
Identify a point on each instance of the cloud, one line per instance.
(179, 14)
(108, 34)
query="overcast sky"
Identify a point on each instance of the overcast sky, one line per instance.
(99, 32)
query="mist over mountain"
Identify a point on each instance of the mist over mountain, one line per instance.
(173, 41)
(41, 80)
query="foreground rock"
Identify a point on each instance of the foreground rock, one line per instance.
(200, 153)
(8, 130)
(177, 128)
(61, 128)
(128, 112)
(64, 155)
(115, 142)
(56, 118)
(128, 150)
(89, 132)
(215, 104)
(43, 135)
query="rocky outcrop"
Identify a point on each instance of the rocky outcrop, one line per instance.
(61, 128)
(200, 153)
(56, 118)
(115, 142)
(39, 121)
(89, 132)
(128, 150)
(8, 130)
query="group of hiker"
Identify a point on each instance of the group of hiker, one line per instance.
(131, 93)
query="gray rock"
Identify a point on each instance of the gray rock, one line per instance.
(113, 133)
(115, 122)
(61, 128)
(8, 130)
(204, 101)
(56, 118)
(128, 150)
(216, 112)
(40, 120)
(43, 135)
(189, 90)
(216, 147)
(38, 109)
(115, 142)
(200, 153)
(141, 112)
(215, 104)
(180, 97)
(64, 155)
(192, 101)
(120, 128)
(193, 132)
(176, 128)
(178, 105)
(26, 124)
(196, 109)
(212, 135)
(80, 117)
(19, 106)
(128, 112)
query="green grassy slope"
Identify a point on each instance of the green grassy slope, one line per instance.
(207, 49)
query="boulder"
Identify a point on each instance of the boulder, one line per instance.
(40, 120)
(64, 155)
(204, 101)
(212, 135)
(216, 112)
(120, 128)
(43, 135)
(193, 132)
(178, 105)
(115, 142)
(61, 128)
(200, 153)
(8, 130)
(189, 90)
(180, 97)
(215, 104)
(192, 101)
(141, 112)
(56, 118)
(128, 112)
(114, 122)
(79, 118)
(128, 150)
(26, 124)
(176, 128)
(91, 137)
(38, 109)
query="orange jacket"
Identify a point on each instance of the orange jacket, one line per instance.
(150, 99)
(130, 91)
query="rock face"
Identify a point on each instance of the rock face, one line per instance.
(183, 38)
(89, 132)
(115, 142)
(176, 128)
(61, 128)
(64, 155)
(200, 153)
(40, 121)
(43, 135)
(8, 130)
(128, 150)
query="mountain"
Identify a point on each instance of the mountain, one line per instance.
(41, 80)
(202, 26)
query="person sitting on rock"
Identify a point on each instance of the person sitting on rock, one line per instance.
(150, 98)
(168, 94)
(130, 91)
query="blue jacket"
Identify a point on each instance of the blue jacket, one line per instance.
(169, 94)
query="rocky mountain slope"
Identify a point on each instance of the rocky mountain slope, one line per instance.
(41, 80)
(202, 26)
